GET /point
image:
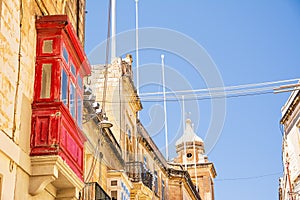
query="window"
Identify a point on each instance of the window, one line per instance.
(46, 80)
(64, 87)
(79, 82)
(155, 182)
(129, 133)
(79, 110)
(114, 195)
(65, 54)
(114, 183)
(72, 100)
(73, 69)
(71, 89)
(145, 161)
(67, 85)
(162, 190)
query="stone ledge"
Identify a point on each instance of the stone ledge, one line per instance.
(53, 170)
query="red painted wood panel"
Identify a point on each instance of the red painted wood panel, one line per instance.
(54, 130)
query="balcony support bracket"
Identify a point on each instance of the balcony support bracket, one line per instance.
(53, 170)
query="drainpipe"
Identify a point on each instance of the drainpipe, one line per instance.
(18, 74)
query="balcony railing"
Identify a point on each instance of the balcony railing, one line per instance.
(137, 172)
(93, 191)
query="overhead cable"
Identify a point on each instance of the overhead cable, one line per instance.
(254, 89)
(249, 177)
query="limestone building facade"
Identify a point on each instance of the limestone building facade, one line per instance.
(55, 140)
(289, 184)
(150, 175)
(23, 175)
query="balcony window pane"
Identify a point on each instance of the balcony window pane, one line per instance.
(73, 69)
(79, 82)
(79, 111)
(64, 87)
(46, 80)
(72, 100)
(65, 54)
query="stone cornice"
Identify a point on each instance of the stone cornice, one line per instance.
(291, 107)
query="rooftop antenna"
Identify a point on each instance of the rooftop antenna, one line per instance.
(113, 30)
(165, 104)
(137, 45)
(183, 129)
(137, 63)
(104, 123)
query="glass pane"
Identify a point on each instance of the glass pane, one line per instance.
(72, 100)
(129, 133)
(65, 54)
(73, 69)
(162, 190)
(46, 80)
(79, 111)
(64, 87)
(47, 46)
(79, 81)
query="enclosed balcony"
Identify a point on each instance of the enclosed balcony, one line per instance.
(60, 67)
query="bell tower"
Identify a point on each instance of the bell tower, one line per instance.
(191, 155)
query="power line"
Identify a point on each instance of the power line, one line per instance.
(236, 87)
(208, 97)
(253, 89)
(203, 97)
(249, 177)
(220, 94)
(199, 98)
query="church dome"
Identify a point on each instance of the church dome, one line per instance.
(189, 135)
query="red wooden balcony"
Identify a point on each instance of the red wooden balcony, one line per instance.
(61, 65)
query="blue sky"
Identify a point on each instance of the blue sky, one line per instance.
(249, 42)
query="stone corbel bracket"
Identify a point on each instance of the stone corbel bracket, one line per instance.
(52, 169)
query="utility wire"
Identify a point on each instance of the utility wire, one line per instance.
(252, 85)
(208, 97)
(220, 92)
(197, 98)
(215, 94)
(249, 177)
